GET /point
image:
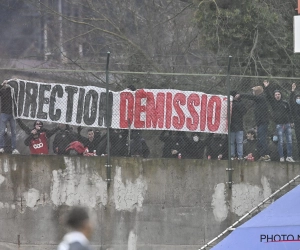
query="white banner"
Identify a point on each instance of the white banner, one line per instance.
(148, 109)
(297, 34)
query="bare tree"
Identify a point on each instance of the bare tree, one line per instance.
(142, 35)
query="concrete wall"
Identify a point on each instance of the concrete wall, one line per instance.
(151, 204)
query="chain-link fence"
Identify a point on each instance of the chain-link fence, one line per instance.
(151, 115)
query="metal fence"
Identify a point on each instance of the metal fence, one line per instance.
(131, 141)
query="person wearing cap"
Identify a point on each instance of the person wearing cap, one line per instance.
(7, 115)
(261, 115)
(282, 116)
(236, 126)
(295, 107)
(38, 136)
(81, 230)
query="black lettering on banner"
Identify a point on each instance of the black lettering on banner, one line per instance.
(298, 237)
(71, 91)
(55, 114)
(291, 237)
(42, 100)
(21, 97)
(102, 109)
(80, 105)
(15, 86)
(90, 107)
(31, 90)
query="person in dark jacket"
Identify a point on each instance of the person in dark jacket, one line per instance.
(217, 147)
(282, 116)
(62, 139)
(92, 141)
(165, 137)
(38, 136)
(138, 145)
(118, 140)
(118, 143)
(261, 115)
(7, 115)
(195, 147)
(174, 144)
(249, 145)
(236, 126)
(273, 146)
(295, 107)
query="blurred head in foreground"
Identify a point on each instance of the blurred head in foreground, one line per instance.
(81, 230)
(78, 220)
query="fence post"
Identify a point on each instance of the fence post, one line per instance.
(229, 168)
(108, 165)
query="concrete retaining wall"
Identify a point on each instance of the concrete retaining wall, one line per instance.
(151, 204)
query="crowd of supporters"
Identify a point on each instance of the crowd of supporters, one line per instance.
(252, 145)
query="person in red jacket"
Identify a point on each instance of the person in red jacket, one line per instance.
(37, 139)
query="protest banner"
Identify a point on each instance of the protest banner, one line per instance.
(147, 109)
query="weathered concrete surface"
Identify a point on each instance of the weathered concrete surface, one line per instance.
(151, 204)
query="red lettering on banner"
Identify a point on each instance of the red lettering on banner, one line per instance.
(179, 99)
(163, 110)
(126, 108)
(168, 110)
(214, 113)
(203, 112)
(139, 108)
(192, 101)
(155, 112)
